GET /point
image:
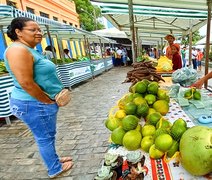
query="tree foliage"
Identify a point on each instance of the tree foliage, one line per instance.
(88, 15)
(195, 37)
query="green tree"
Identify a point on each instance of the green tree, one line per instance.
(88, 15)
(195, 37)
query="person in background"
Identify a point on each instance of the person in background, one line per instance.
(108, 51)
(35, 86)
(66, 53)
(119, 56)
(151, 53)
(155, 53)
(113, 54)
(198, 84)
(124, 56)
(194, 57)
(187, 57)
(183, 54)
(48, 52)
(170, 38)
(199, 59)
(176, 58)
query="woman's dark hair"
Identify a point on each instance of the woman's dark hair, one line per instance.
(17, 23)
(66, 51)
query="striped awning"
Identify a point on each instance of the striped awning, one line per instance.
(187, 9)
(65, 31)
(156, 18)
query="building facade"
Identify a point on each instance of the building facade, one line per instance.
(63, 11)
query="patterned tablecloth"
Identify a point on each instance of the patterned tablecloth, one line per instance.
(159, 169)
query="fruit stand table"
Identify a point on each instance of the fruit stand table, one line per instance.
(98, 66)
(108, 63)
(160, 169)
(6, 84)
(73, 73)
(169, 169)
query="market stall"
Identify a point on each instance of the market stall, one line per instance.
(108, 63)
(6, 85)
(127, 149)
(152, 21)
(74, 73)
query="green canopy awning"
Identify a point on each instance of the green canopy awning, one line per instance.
(156, 18)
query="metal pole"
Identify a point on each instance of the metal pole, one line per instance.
(59, 41)
(100, 42)
(208, 40)
(89, 49)
(85, 46)
(162, 54)
(132, 29)
(94, 48)
(190, 43)
(138, 52)
(50, 41)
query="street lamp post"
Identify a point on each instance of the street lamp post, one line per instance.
(92, 15)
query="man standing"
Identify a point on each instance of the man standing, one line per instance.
(170, 38)
(194, 57)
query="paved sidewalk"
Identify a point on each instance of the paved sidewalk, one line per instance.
(81, 132)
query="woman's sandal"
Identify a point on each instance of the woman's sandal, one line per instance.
(65, 159)
(65, 167)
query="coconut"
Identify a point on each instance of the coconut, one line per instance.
(196, 150)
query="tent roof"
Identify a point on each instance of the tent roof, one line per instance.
(115, 33)
(156, 17)
(188, 4)
(111, 32)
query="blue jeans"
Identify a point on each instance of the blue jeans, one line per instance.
(41, 119)
(184, 62)
(194, 61)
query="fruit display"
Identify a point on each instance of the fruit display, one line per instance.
(192, 93)
(143, 70)
(196, 150)
(138, 124)
(144, 101)
(2, 68)
(164, 64)
(163, 138)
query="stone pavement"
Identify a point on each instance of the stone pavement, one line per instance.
(81, 132)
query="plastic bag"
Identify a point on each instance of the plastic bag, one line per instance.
(174, 90)
(164, 64)
(185, 76)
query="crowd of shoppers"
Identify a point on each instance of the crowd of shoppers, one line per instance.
(120, 56)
